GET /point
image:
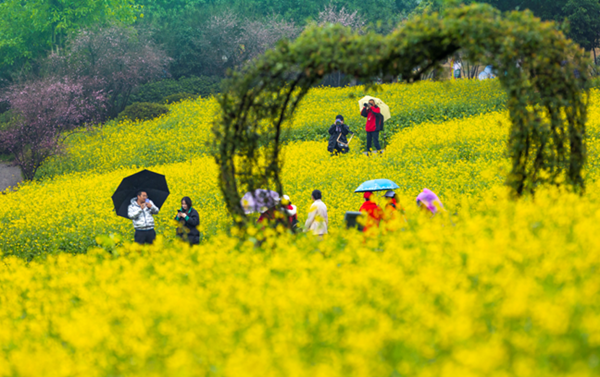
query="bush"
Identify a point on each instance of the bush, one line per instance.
(178, 97)
(143, 111)
(158, 91)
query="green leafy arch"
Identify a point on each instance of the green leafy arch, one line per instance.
(545, 80)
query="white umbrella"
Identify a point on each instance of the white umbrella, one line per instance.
(385, 109)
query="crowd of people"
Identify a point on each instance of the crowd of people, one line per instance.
(282, 212)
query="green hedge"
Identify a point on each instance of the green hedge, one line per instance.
(158, 91)
(143, 111)
(173, 98)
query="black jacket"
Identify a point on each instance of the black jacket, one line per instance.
(187, 228)
(334, 131)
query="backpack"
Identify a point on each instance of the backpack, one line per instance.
(379, 122)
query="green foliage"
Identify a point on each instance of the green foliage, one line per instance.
(30, 29)
(158, 91)
(143, 111)
(583, 16)
(178, 97)
(547, 102)
(297, 10)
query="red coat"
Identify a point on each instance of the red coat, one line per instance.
(375, 214)
(371, 119)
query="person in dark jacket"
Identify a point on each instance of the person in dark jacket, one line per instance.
(338, 143)
(374, 124)
(188, 220)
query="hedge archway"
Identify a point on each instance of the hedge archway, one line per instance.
(545, 80)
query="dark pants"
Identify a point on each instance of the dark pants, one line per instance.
(144, 237)
(374, 138)
(192, 238)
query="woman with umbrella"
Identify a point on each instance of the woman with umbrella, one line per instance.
(373, 212)
(338, 143)
(188, 220)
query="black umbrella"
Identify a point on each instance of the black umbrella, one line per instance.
(154, 184)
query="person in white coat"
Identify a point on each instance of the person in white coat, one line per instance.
(140, 211)
(317, 221)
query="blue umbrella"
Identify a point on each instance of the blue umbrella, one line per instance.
(377, 185)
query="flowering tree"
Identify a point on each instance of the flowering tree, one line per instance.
(44, 110)
(331, 15)
(229, 40)
(114, 60)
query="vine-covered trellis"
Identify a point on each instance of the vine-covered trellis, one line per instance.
(544, 74)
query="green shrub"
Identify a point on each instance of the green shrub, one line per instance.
(143, 111)
(157, 91)
(173, 98)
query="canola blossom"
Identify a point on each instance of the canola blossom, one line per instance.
(491, 287)
(186, 133)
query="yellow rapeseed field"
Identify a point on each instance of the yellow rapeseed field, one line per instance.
(186, 131)
(492, 287)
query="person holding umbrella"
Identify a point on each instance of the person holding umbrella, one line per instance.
(372, 211)
(140, 211)
(188, 219)
(376, 112)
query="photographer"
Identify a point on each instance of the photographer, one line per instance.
(188, 220)
(338, 143)
(374, 124)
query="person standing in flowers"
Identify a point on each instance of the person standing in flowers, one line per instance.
(317, 221)
(427, 200)
(291, 212)
(140, 211)
(338, 142)
(392, 206)
(374, 122)
(393, 211)
(372, 213)
(188, 220)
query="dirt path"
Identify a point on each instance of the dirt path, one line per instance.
(10, 176)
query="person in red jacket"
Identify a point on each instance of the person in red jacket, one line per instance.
(372, 211)
(372, 112)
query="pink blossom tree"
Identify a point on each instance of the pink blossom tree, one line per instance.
(114, 60)
(44, 110)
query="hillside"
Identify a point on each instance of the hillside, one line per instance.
(185, 132)
(491, 287)
(462, 160)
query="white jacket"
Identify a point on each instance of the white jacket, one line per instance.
(317, 218)
(142, 218)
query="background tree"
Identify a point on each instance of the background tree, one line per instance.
(31, 29)
(583, 16)
(113, 60)
(42, 111)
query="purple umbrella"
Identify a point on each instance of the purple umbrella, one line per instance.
(259, 201)
(429, 198)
